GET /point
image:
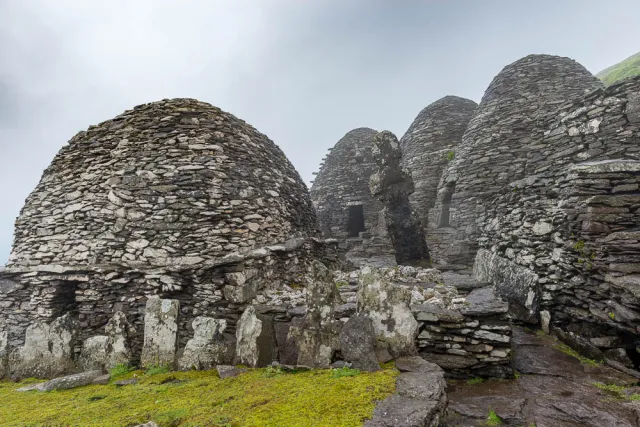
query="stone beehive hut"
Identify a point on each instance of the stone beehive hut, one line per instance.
(175, 182)
(176, 198)
(342, 198)
(496, 145)
(427, 147)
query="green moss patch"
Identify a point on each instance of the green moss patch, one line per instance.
(617, 391)
(259, 397)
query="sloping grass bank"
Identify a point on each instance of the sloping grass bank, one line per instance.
(259, 397)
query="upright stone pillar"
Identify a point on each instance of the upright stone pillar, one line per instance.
(392, 185)
(160, 332)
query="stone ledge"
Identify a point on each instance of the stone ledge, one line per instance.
(420, 398)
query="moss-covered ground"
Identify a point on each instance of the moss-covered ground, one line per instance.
(259, 397)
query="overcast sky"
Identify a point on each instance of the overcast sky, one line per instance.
(304, 72)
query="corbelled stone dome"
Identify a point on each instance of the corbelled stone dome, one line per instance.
(429, 144)
(499, 144)
(341, 194)
(173, 182)
(344, 179)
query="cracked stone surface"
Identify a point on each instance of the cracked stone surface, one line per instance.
(554, 390)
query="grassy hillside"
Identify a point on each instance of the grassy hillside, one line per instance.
(627, 68)
(260, 397)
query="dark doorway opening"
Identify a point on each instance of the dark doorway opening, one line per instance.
(63, 300)
(445, 213)
(355, 222)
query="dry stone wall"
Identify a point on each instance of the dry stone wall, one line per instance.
(499, 145)
(560, 245)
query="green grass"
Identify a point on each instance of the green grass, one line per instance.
(156, 370)
(493, 419)
(201, 398)
(627, 68)
(571, 352)
(617, 391)
(344, 372)
(476, 380)
(120, 370)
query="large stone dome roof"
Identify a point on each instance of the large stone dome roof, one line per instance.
(435, 132)
(173, 182)
(500, 141)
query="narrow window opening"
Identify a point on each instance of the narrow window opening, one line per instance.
(445, 212)
(355, 222)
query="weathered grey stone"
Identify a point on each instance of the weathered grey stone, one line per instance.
(228, 371)
(94, 354)
(388, 308)
(208, 347)
(633, 108)
(248, 330)
(317, 336)
(516, 284)
(416, 364)
(160, 332)
(119, 331)
(255, 339)
(66, 382)
(434, 313)
(405, 411)
(358, 343)
(47, 351)
(483, 302)
(392, 185)
(102, 379)
(619, 355)
(422, 385)
(545, 320)
(501, 144)
(4, 352)
(287, 349)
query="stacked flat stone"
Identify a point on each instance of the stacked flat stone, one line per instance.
(499, 142)
(173, 182)
(435, 132)
(175, 198)
(343, 181)
(562, 243)
(469, 337)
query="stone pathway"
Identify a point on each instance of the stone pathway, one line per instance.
(554, 390)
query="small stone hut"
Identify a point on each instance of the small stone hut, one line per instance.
(427, 148)
(345, 208)
(175, 198)
(498, 144)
